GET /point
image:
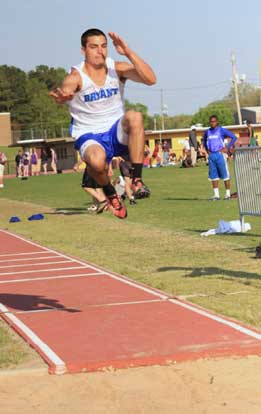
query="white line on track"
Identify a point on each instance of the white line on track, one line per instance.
(60, 367)
(36, 264)
(21, 254)
(43, 270)
(102, 305)
(217, 318)
(52, 277)
(30, 258)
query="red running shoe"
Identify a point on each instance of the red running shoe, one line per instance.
(117, 207)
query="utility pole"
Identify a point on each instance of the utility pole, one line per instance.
(235, 82)
(162, 110)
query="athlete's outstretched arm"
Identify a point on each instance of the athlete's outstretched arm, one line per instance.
(70, 85)
(137, 70)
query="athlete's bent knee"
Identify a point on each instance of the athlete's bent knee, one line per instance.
(96, 160)
(98, 165)
(134, 119)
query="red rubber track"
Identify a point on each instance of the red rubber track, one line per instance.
(80, 317)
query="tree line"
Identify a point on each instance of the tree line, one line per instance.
(26, 96)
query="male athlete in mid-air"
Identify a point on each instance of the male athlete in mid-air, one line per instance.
(94, 91)
(214, 143)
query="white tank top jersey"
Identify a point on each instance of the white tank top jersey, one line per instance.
(95, 109)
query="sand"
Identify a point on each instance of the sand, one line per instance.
(209, 387)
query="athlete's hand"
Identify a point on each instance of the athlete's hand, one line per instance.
(60, 96)
(119, 44)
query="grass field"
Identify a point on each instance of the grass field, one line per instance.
(159, 244)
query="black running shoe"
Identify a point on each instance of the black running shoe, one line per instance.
(140, 190)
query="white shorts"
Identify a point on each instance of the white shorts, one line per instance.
(2, 169)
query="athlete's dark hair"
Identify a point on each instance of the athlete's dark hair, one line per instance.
(213, 116)
(91, 32)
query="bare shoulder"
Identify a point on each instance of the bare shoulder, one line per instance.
(73, 79)
(74, 74)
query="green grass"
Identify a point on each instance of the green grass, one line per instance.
(12, 352)
(159, 244)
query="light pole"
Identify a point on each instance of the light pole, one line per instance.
(163, 111)
(235, 82)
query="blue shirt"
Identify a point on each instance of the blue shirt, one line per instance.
(213, 139)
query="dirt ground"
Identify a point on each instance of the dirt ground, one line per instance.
(209, 387)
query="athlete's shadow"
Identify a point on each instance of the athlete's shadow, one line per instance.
(212, 271)
(32, 303)
(184, 199)
(69, 211)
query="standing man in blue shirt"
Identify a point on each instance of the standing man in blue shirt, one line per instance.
(214, 143)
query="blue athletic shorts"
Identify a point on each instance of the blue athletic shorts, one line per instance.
(114, 141)
(218, 167)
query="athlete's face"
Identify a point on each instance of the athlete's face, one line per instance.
(95, 51)
(213, 122)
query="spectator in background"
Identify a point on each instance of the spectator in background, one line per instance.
(157, 155)
(147, 156)
(34, 162)
(202, 152)
(126, 173)
(3, 161)
(172, 158)
(90, 186)
(257, 140)
(160, 155)
(213, 141)
(25, 165)
(53, 160)
(44, 160)
(165, 149)
(186, 149)
(250, 133)
(193, 143)
(18, 164)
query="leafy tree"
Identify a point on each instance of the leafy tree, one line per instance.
(221, 109)
(12, 90)
(26, 97)
(45, 113)
(51, 77)
(249, 95)
(139, 107)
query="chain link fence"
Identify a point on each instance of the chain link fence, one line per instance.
(248, 180)
(40, 133)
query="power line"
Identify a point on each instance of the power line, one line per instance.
(206, 86)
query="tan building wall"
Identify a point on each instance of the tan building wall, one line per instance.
(5, 129)
(177, 137)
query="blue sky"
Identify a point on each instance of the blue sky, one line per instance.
(187, 43)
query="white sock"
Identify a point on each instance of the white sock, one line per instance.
(227, 193)
(216, 192)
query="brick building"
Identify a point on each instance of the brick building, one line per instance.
(5, 129)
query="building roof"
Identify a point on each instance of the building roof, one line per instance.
(252, 108)
(187, 130)
(47, 141)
